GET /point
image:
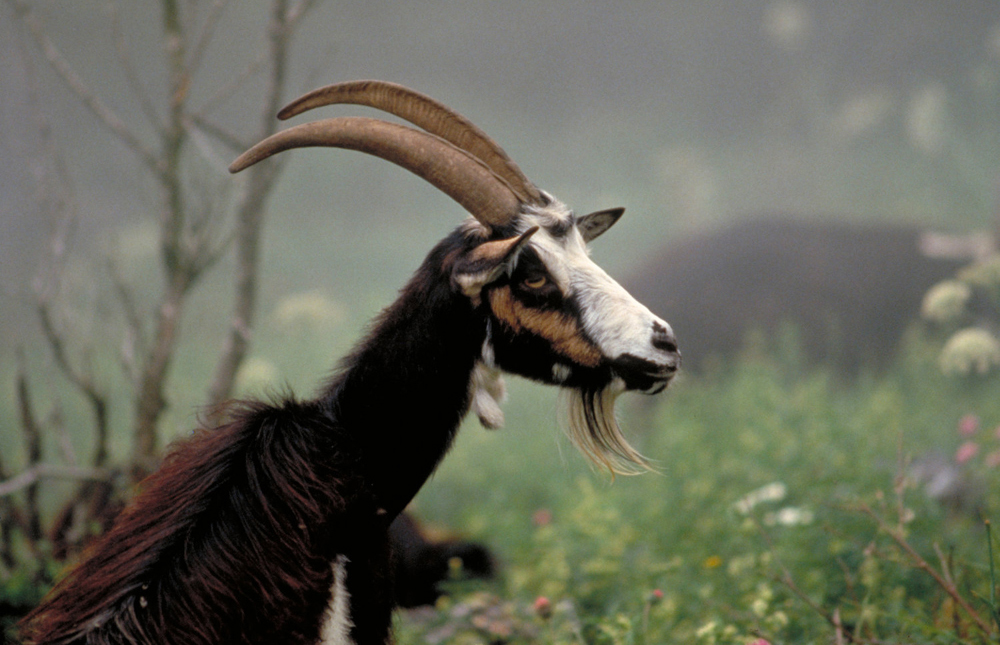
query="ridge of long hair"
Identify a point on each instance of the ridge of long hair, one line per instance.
(188, 552)
(588, 417)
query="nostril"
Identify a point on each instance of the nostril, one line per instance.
(663, 338)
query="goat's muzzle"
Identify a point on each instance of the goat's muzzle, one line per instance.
(651, 374)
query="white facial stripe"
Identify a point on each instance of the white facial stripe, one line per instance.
(614, 320)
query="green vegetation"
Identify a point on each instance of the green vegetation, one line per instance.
(790, 507)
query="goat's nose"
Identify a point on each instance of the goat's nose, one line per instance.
(663, 338)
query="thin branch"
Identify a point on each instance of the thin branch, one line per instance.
(57, 198)
(54, 191)
(10, 517)
(95, 398)
(786, 579)
(133, 340)
(97, 107)
(238, 82)
(200, 124)
(138, 89)
(299, 10)
(65, 442)
(922, 564)
(40, 471)
(33, 443)
(151, 399)
(207, 33)
(289, 21)
(250, 214)
(945, 564)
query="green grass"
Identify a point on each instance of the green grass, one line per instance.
(670, 556)
(674, 557)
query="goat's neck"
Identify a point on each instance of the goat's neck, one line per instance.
(405, 389)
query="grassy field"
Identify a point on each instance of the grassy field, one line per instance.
(789, 506)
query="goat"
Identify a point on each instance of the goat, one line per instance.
(273, 527)
(851, 289)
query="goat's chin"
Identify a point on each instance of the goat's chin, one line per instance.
(588, 416)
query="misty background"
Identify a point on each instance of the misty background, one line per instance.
(689, 114)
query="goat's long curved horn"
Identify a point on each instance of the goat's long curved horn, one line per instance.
(426, 113)
(455, 172)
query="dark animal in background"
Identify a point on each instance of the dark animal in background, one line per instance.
(420, 563)
(273, 527)
(851, 289)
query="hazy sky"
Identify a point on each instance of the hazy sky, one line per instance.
(685, 112)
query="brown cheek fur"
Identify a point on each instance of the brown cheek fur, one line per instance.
(559, 329)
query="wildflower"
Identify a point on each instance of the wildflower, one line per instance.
(543, 607)
(970, 351)
(945, 301)
(966, 452)
(541, 517)
(713, 562)
(789, 516)
(968, 425)
(984, 273)
(656, 595)
(777, 620)
(759, 641)
(706, 629)
(773, 492)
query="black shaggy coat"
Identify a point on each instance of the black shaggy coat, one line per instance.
(233, 539)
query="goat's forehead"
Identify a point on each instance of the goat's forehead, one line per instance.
(559, 245)
(556, 218)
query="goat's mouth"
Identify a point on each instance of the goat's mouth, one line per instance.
(644, 375)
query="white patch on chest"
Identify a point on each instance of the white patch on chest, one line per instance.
(336, 629)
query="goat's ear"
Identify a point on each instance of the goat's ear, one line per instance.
(592, 225)
(487, 262)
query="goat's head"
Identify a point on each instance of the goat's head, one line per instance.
(551, 313)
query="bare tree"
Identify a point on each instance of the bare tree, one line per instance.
(196, 229)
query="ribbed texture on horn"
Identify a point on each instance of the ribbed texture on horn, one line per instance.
(451, 170)
(426, 113)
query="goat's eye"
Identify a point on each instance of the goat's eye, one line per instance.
(536, 283)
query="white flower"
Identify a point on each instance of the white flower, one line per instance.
(773, 492)
(945, 301)
(984, 273)
(970, 351)
(789, 516)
